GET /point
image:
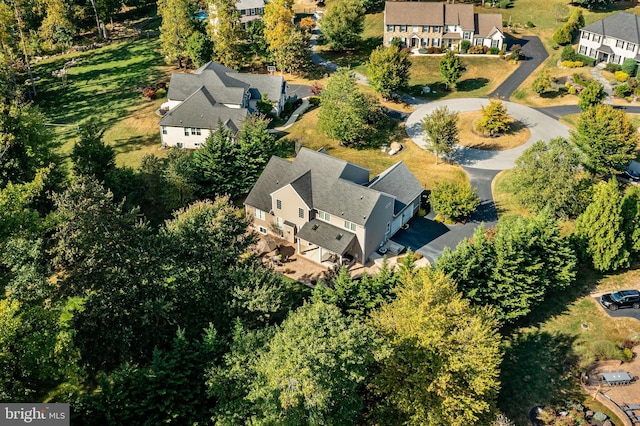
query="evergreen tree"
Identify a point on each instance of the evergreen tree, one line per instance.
(199, 48)
(599, 231)
(441, 128)
(593, 94)
(631, 212)
(607, 137)
(90, 155)
(227, 33)
(388, 70)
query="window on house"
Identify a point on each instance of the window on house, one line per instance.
(596, 38)
(389, 28)
(197, 145)
(467, 35)
(425, 28)
(186, 131)
(591, 52)
(582, 50)
(435, 42)
(253, 11)
(260, 10)
(631, 46)
(262, 230)
(279, 222)
(179, 144)
(259, 214)
(195, 131)
(301, 213)
(349, 225)
(478, 41)
(585, 35)
(324, 216)
(243, 12)
(164, 130)
(403, 28)
(436, 29)
(415, 28)
(279, 204)
(388, 227)
(494, 43)
(425, 42)
(619, 43)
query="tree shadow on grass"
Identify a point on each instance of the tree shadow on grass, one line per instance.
(471, 84)
(437, 91)
(537, 370)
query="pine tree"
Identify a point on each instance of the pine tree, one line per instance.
(599, 231)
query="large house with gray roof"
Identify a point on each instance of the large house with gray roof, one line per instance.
(425, 24)
(329, 207)
(612, 39)
(214, 94)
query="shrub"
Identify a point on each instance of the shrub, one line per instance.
(554, 45)
(605, 349)
(476, 50)
(494, 50)
(454, 200)
(149, 93)
(586, 60)
(422, 50)
(161, 93)
(434, 50)
(572, 90)
(621, 76)
(568, 54)
(314, 100)
(627, 354)
(629, 66)
(613, 67)
(571, 64)
(579, 79)
(504, 4)
(464, 46)
(530, 24)
(623, 90)
(600, 417)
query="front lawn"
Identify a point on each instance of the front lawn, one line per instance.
(105, 85)
(421, 163)
(482, 76)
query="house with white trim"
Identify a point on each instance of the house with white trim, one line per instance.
(612, 39)
(197, 102)
(330, 208)
(425, 24)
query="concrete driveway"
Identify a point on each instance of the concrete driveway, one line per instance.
(301, 90)
(542, 127)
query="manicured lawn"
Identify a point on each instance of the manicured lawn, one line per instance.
(421, 163)
(517, 135)
(106, 86)
(482, 76)
(543, 357)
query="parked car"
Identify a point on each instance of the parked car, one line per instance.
(621, 299)
(632, 175)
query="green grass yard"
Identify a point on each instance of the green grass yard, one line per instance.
(105, 85)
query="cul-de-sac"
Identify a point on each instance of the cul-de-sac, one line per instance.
(338, 212)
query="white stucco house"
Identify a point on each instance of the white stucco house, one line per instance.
(197, 102)
(425, 24)
(612, 39)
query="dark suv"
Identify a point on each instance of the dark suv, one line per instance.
(621, 299)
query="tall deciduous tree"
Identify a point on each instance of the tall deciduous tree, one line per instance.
(314, 369)
(294, 56)
(278, 23)
(176, 28)
(343, 23)
(444, 357)
(599, 231)
(607, 137)
(513, 271)
(549, 175)
(344, 109)
(227, 33)
(388, 70)
(631, 213)
(450, 68)
(441, 128)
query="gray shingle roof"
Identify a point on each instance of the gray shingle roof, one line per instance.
(622, 25)
(202, 111)
(262, 84)
(398, 182)
(249, 4)
(215, 77)
(325, 235)
(332, 185)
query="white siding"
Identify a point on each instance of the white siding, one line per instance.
(175, 136)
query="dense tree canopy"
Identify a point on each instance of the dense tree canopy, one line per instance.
(176, 28)
(607, 137)
(343, 23)
(227, 33)
(443, 360)
(550, 175)
(441, 129)
(454, 200)
(593, 94)
(278, 23)
(388, 70)
(450, 68)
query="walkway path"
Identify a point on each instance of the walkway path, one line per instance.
(608, 89)
(294, 115)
